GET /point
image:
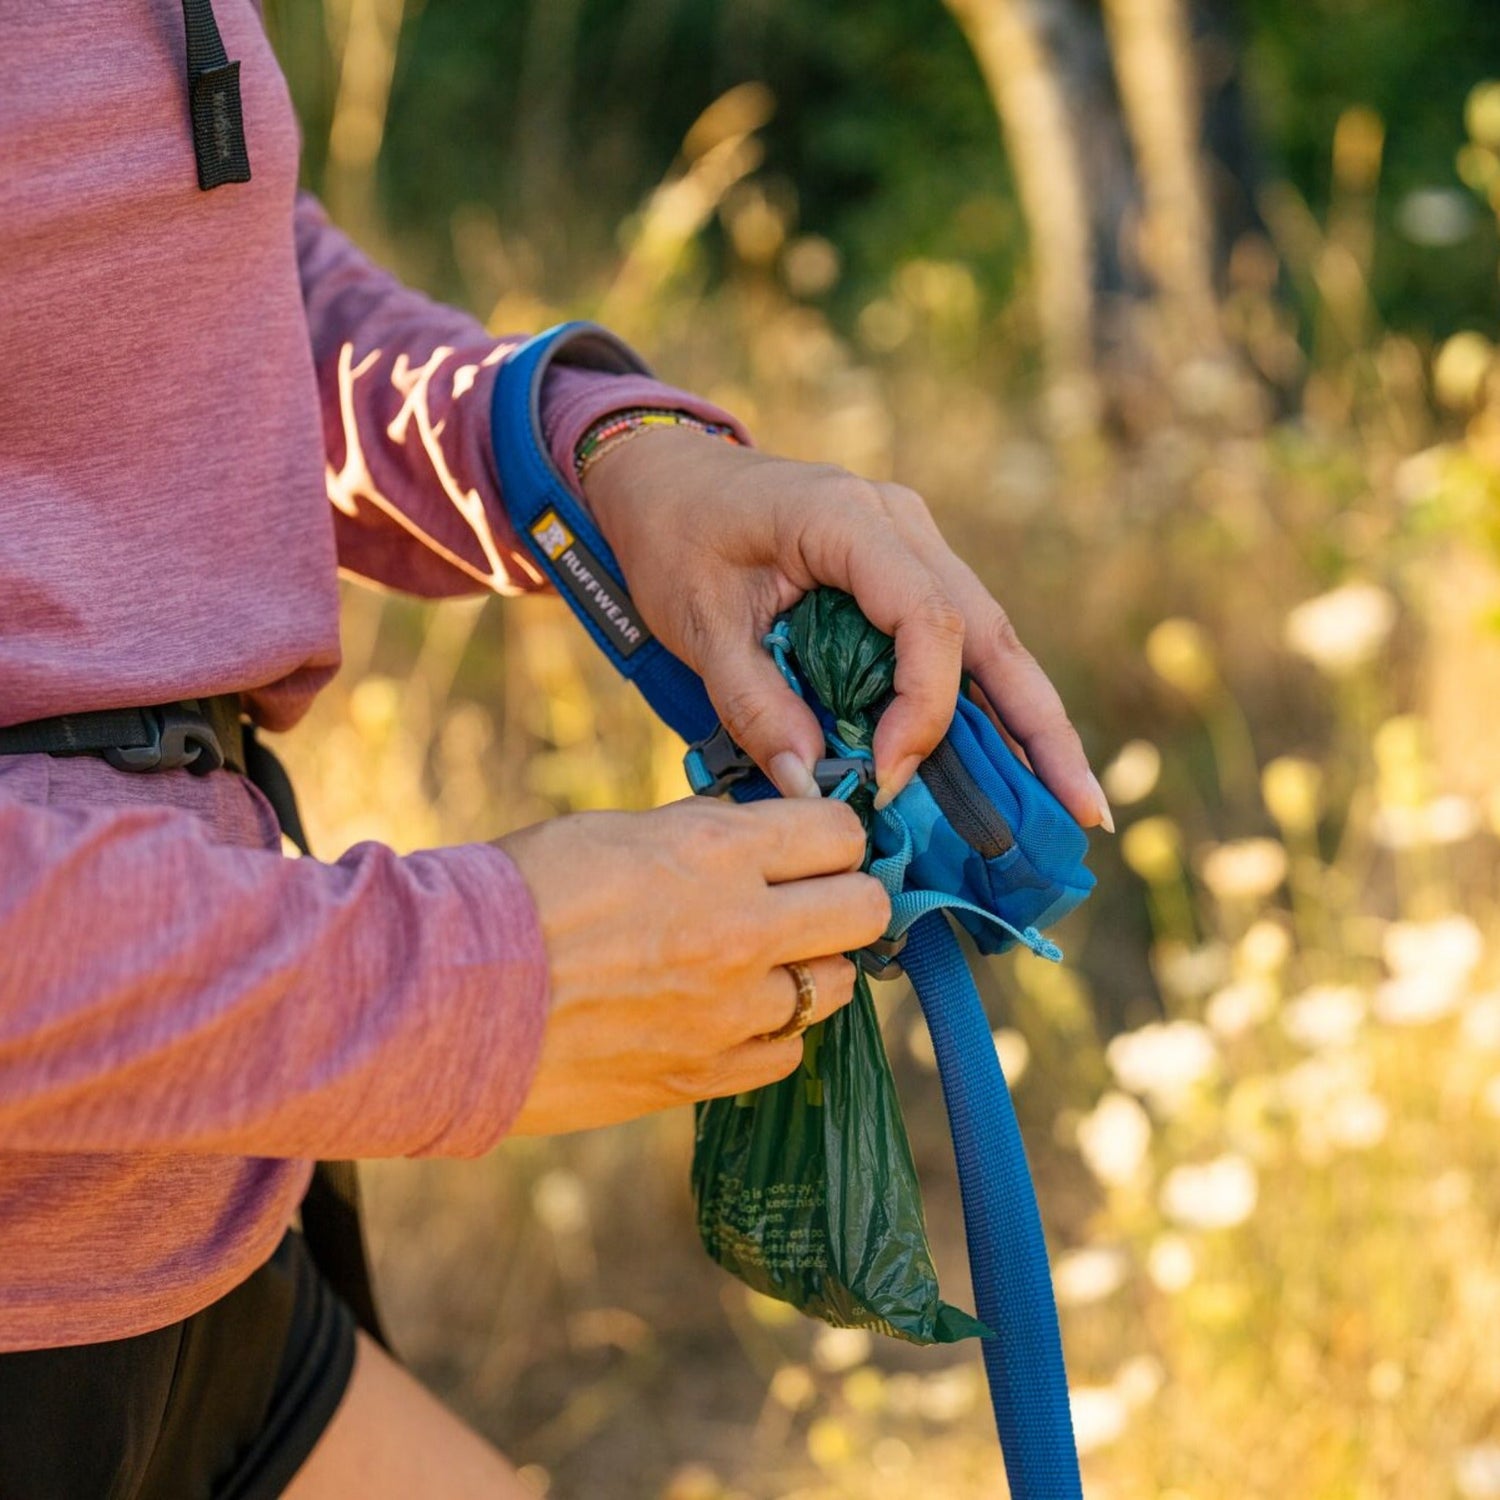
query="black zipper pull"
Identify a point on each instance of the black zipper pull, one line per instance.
(214, 99)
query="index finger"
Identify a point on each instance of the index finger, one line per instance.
(858, 549)
(801, 838)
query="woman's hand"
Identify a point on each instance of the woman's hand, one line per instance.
(716, 540)
(666, 933)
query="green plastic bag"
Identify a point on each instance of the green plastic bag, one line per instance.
(806, 1189)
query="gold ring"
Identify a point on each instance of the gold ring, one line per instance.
(807, 997)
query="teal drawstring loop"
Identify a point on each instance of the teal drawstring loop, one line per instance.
(908, 907)
(778, 641)
(846, 788)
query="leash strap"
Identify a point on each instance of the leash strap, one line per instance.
(1007, 1251)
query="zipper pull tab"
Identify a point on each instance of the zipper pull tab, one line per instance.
(214, 100)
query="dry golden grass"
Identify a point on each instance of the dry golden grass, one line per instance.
(1263, 1097)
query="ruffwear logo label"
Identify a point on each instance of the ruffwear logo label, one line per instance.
(552, 536)
(579, 571)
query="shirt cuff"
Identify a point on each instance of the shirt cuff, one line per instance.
(498, 1006)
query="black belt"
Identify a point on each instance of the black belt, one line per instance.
(197, 734)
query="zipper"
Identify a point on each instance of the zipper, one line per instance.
(976, 820)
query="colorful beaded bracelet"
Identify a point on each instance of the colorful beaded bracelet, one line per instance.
(610, 432)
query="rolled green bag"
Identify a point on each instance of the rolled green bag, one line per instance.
(806, 1189)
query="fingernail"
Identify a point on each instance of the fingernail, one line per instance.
(1106, 817)
(792, 778)
(891, 786)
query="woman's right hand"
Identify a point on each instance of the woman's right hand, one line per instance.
(666, 935)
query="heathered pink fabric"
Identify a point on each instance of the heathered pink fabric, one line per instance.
(185, 1017)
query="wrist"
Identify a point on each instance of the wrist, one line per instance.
(616, 456)
(616, 429)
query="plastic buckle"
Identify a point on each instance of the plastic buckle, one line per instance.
(715, 764)
(181, 738)
(880, 959)
(830, 772)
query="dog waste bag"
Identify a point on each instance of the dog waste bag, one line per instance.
(806, 1189)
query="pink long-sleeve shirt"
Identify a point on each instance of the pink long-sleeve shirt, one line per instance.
(189, 379)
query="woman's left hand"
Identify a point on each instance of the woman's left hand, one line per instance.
(716, 540)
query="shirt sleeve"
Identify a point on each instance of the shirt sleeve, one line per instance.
(255, 1005)
(405, 387)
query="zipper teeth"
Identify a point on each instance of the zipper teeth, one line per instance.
(978, 823)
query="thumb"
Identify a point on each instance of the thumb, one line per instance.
(763, 715)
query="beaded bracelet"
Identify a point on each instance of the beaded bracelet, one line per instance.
(611, 432)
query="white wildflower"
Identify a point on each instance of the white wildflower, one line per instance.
(1341, 630)
(1356, 1122)
(1431, 962)
(1445, 820)
(1081, 1277)
(1164, 1060)
(1190, 972)
(1171, 1263)
(1449, 945)
(1449, 1193)
(1386, 1380)
(1481, 1022)
(1309, 1089)
(947, 1395)
(1014, 1054)
(1476, 1472)
(1100, 1416)
(1179, 652)
(1139, 1379)
(1152, 848)
(1239, 1007)
(839, 1349)
(1459, 371)
(1113, 1139)
(1265, 947)
(1325, 1016)
(560, 1200)
(1132, 775)
(1244, 869)
(1291, 787)
(1417, 999)
(1216, 1195)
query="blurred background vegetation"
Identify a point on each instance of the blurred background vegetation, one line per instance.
(1181, 314)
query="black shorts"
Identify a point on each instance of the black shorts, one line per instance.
(225, 1405)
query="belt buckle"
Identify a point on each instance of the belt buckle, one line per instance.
(181, 739)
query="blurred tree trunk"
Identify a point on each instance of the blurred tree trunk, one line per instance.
(1160, 92)
(365, 35)
(1009, 40)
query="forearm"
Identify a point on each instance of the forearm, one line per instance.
(406, 386)
(163, 992)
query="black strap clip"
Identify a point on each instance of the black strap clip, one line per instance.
(882, 958)
(180, 738)
(715, 764)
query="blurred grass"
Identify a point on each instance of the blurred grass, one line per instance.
(1261, 1098)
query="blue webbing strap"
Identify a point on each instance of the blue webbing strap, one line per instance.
(536, 495)
(1007, 1253)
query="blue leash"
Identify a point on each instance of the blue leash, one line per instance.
(1007, 1252)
